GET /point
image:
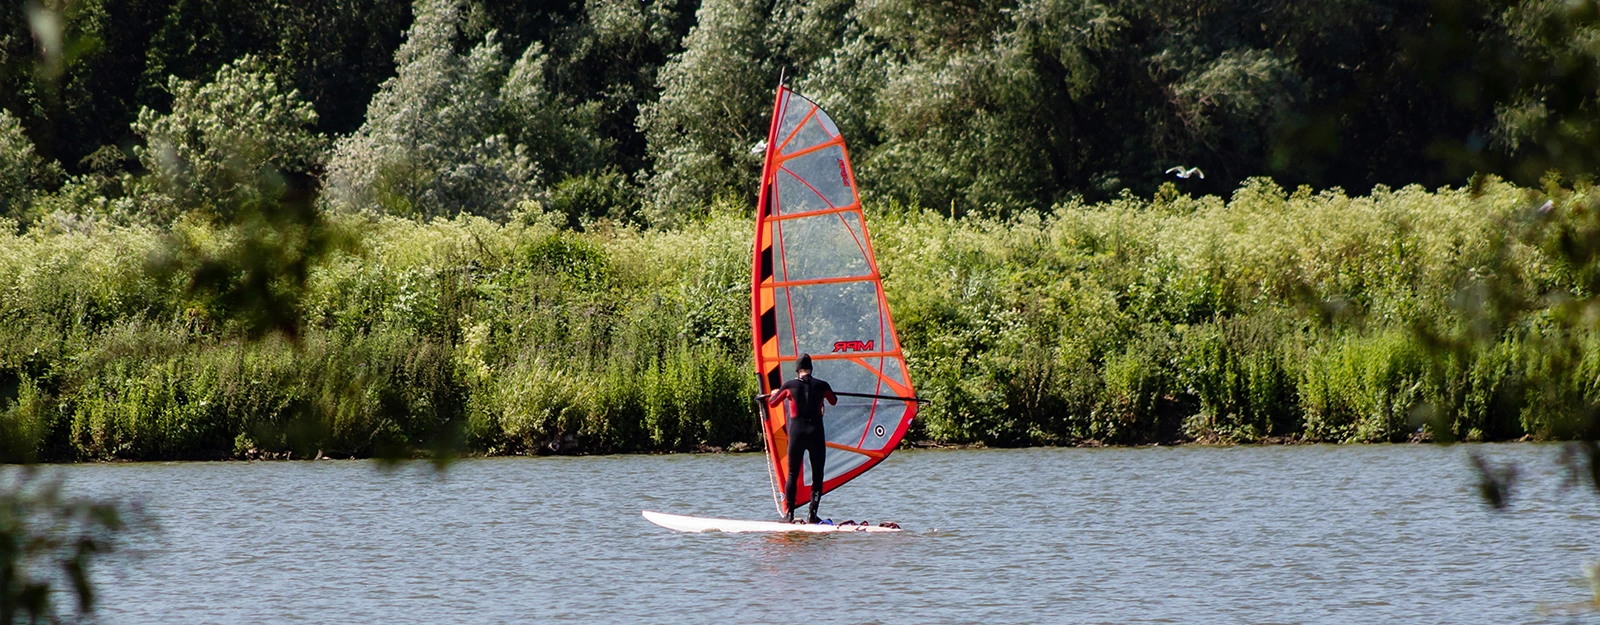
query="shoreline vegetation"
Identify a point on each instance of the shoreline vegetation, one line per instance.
(1269, 316)
(438, 227)
(435, 228)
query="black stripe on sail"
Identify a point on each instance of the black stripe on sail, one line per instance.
(766, 263)
(773, 381)
(771, 197)
(769, 324)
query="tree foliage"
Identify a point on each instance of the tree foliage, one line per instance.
(118, 55)
(714, 97)
(1006, 106)
(48, 542)
(229, 141)
(23, 173)
(434, 142)
(962, 104)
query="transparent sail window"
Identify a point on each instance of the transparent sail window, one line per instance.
(796, 197)
(894, 369)
(810, 135)
(827, 122)
(795, 110)
(785, 334)
(885, 421)
(840, 462)
(836, 317)
(824, 246)
(826, 172)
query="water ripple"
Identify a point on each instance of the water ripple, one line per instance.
(1308, 534)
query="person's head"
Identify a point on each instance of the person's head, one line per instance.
(802, 365)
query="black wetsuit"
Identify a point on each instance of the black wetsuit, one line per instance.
(805, 396)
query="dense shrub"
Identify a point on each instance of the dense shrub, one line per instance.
(1268, 316)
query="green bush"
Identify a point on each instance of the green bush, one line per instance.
(1270, 316)
(593, 196)
(1241, 373)
(1365, 388)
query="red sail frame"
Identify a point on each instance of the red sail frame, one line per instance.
(770, 280)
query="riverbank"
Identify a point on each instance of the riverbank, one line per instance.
(1267, 316)
(756, 447)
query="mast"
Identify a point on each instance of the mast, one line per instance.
(764, 198)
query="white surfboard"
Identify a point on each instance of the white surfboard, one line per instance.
(702, 524)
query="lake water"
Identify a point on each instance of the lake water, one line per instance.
(1312, 534)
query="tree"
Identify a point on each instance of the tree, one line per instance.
(980, 104)
(715, 97)
(599, 65)
(433, 143)
(561, 136)
(23, 173)
(228, 142)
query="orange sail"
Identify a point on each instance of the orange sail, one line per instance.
(816, 289)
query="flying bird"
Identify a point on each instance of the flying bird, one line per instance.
(1185, 173)
(759, 147)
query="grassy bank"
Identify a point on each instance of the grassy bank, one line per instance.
(1267, 315)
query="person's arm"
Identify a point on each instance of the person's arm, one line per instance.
(833, 400)
(776, 399)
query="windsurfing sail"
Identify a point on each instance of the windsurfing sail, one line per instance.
(816, 289)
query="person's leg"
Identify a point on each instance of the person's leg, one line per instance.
(819, 458)
(790, 485)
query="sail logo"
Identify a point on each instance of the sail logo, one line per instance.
(852, 346)
(844, 172)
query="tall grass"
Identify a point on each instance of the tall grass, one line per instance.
(1271, 315)
(1268, 316)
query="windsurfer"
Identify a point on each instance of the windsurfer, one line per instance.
(805, 395)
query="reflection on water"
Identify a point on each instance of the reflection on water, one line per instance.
(1237, 535)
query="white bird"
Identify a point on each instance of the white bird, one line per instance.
(759, 147)
(1185, 173)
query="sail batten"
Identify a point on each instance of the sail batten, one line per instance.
(816, 289)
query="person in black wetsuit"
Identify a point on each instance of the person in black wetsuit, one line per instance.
(805, 395)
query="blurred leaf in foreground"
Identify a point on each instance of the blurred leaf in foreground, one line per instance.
(47, 543)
